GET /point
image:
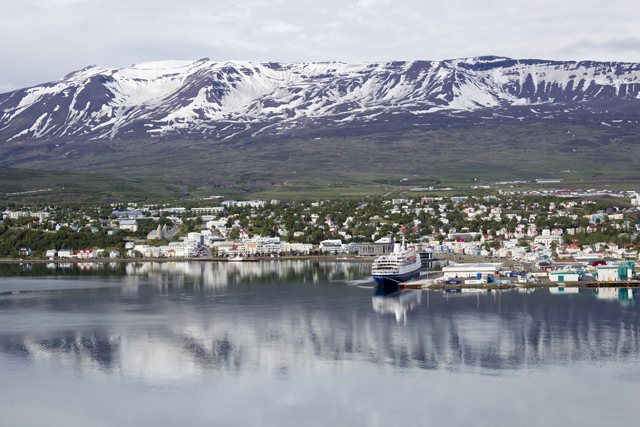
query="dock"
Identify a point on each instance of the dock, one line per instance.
(424, 283)
(618, 284)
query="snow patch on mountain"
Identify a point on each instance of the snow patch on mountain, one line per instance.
(160, 98)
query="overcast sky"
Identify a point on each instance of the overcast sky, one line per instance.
(43, 40)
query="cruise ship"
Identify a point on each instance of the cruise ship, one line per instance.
(397, 267)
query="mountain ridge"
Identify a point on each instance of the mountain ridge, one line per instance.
(222, 100)
(217, 124)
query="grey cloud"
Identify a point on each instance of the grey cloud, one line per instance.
(610, 49)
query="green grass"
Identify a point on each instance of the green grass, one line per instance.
(328, 192)
(78, 186)
(344, 163)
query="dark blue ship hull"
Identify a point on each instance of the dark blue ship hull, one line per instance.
(396, 279)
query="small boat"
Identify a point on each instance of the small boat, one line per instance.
(237, 258)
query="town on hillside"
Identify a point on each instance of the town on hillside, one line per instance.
(551, 230)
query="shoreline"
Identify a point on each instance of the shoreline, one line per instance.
(338, 259)
(487, 287)
(328, 258)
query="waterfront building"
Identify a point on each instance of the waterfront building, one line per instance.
(564, 276)
(381, 246)
(470, 270)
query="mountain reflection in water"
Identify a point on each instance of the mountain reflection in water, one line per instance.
(179, 324)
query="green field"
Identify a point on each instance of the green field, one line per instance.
(78, 186)
(27, 185)
(339, 163)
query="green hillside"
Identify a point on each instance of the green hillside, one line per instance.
(370, 160)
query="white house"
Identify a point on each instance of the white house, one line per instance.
(548, 239)
(87, 253)
(25, 251)
(66, 253)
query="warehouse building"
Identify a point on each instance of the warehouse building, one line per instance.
(471, 270)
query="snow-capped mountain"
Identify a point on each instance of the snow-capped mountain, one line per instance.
(219, 100)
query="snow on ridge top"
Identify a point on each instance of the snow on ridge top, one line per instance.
(83, 74)
(158, 69)
(163, 65)
(480, 60)
(496, 62)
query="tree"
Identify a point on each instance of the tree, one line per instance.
(317, 235)
(234, 234)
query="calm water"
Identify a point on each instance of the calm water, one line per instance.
(304, 344)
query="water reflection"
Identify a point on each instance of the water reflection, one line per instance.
(163, 322)
(561, 290)
(387, 300)
(624, 296)
(194, 341)
(206, 274)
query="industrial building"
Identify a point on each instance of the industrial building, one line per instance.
(471, 270)
(615, 271)
(564, 276)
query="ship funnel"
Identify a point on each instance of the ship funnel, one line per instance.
(397, 248)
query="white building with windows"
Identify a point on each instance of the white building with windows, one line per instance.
(301, 248)
(548, 239)
(331, 246)
(15, 214)
(128, 224)
(66, 253)
(195, 237)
